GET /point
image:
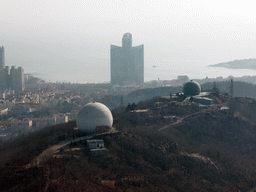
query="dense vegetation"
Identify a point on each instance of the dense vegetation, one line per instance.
(22, 150)
(204, 150)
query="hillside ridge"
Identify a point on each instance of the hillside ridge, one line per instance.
(206, 150)
(238, 64)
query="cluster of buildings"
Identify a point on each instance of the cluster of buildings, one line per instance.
(11, 79)
(127, 74)
(33, 110)
(20, 110)
(13, 127)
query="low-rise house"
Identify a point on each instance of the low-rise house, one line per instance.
(96, 147)
(53, 102)
(43, 122)
(71, 116)
(4, 111)
(158, 104)
(40, 123)
(24, 108)
(10, 104)
(61, 119)
(2, 104)
(2, 95)
(18, 110)
(96, 143)
(21, 126)
(16, 125)
(140, 116)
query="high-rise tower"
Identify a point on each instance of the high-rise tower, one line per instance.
(10, 79)
(2, 60)
(17, 79)
(4, 78)
(127, 63)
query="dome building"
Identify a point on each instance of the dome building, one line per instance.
(191, 88)
(94, 115)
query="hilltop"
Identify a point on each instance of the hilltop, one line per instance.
(238, 64)
(241, 89)
(172, 147)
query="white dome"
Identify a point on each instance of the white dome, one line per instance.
(93, 115)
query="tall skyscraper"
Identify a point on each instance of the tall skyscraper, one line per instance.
(127, 63)
(10, 79)
(2, 60)
(4, 78)
(17, 79)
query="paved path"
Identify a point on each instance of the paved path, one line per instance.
(52, 150)
(182, 118)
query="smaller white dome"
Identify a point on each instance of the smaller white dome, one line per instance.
(93, 115)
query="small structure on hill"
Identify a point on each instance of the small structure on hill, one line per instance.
(202, 100)
(95, 143)
(191, 88)
(94, 115)
(96, 147)
(139, 116)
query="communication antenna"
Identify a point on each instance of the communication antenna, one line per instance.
(231, 90)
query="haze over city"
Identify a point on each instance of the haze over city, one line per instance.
(127, 95)
(62, 40)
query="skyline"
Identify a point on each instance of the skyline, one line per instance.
(127, 63)
(41, 36)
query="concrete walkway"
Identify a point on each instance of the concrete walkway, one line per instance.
(49, 152)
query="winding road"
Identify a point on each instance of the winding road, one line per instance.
(53, 149)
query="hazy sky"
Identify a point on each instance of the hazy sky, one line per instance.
(45, 35)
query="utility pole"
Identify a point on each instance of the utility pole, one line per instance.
(231, 89)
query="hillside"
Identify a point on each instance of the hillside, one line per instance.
(205, 149)
(149, 93)
(238, 64)
(241, 89)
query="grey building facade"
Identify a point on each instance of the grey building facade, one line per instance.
(2, 59)
(4, 78)
(127, 63)
(12, 79)
(17, 79)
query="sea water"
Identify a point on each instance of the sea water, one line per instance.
(102, 74)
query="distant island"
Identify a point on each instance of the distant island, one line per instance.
(238, 64)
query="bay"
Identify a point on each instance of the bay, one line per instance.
(164, 72)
